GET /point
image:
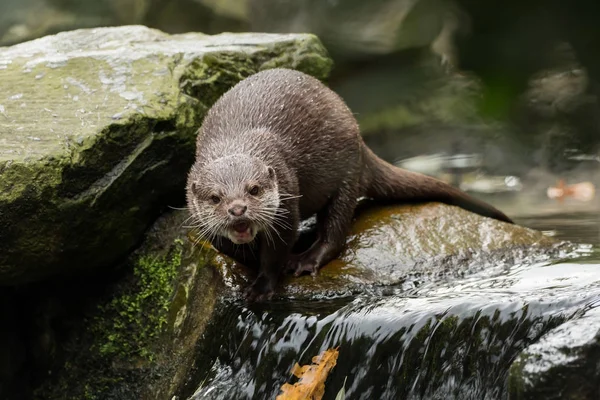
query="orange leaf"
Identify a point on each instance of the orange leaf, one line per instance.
(311, 385)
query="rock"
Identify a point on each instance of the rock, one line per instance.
(98, 130)
(412, 245)
(443, 340)
(208, 16)
(563, 364)
(355, 29)
(139, 339)
(30, 19)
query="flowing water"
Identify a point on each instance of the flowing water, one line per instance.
(438, 341)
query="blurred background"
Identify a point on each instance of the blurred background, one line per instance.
(497, 97)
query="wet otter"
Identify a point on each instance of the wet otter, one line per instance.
(279, 147)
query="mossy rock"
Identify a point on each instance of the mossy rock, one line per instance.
(136, 339)
(98, 130)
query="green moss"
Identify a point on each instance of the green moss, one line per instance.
(130, 323)
(208, 78)
(308, 56)
(516, 379)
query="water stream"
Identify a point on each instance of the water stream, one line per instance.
(438, 341)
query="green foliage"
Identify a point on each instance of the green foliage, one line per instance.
(129, 323)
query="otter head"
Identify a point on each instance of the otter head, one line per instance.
(235, 196)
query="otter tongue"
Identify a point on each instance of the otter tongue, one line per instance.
(241, 227)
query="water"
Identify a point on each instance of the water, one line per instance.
(439, 341)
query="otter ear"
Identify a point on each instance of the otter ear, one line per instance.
(271, 172)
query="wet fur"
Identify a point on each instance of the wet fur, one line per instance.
(291, 122)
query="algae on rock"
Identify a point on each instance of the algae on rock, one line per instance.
(137, 339)
(97, 133)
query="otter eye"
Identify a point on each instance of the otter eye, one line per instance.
(254, 190)
(215, 199)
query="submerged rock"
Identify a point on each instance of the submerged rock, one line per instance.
(564, 363)
(97, 134)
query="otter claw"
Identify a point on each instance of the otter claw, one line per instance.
(259, 292)
(254, 297)
(306, 267)
(299, 266)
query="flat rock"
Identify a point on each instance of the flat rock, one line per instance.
(410, 246)
(97, 132)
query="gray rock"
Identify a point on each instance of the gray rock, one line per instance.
(22, 20)
(352, 29)
(564, 363)
(97, 134)
(137, 339)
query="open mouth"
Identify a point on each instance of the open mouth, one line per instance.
(241, 232)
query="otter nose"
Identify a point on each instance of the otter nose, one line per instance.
(238, 210)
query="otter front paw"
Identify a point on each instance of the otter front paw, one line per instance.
(300, 265)
(261, 290)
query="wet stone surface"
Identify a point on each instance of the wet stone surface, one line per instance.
(444, 340)
(410, 246)
(465, 298)
(446, 320)
(564, 363)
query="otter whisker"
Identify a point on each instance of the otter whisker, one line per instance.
(268, 236)
(289, 197)
(179, 208)
(207, 230)
(192, 226)
(268, 226)
(281, 221)
(192, 216)
(273, 213)
(277, 232)
(251, 251)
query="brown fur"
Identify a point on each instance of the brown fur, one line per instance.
(285, 126)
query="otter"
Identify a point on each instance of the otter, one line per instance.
(277, 148)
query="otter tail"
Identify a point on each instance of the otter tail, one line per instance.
(383, 181)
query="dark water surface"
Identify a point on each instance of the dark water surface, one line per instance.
(445, 340)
